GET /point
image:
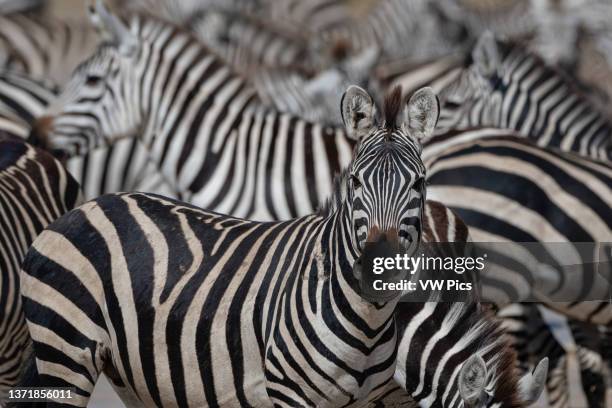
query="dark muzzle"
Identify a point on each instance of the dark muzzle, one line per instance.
(389, 237)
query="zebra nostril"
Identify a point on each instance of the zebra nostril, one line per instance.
(40, 131)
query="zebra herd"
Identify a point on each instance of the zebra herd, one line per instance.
(188, 190)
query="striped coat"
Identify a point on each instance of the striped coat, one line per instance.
(234, 312)
(34, 190)
(508, 190)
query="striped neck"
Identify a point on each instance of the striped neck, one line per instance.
(460, 330)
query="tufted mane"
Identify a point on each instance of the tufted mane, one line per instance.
(392, 106)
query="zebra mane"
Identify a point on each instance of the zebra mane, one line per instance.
(488, 338)
(392, 106)
(334, 201)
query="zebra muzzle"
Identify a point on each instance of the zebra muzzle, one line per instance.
(390, 237)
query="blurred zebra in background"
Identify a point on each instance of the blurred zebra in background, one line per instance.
(22, 100)
(44, 48)
(34, 191)
(251, 161)
(124, 166)
(574, 354)
(508, 190)
(401, 29)
(508, 87)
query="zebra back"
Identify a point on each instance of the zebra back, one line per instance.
(539, 196)
(44, 48)
(508, 87)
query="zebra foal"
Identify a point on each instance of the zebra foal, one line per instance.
(227, 311)
(34, 190)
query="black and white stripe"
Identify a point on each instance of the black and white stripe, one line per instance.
(508, 190)
(203, 126)
(34, 190)
(124, 166)
(507, 87)
(574, 350)
(231, 312)
(250, 161)
(22, 100)
(43, 47)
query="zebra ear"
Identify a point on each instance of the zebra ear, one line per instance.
(421, 113)
(532, 385)
(358, 112)
(472, 380)
(112, 28)
(486, 54)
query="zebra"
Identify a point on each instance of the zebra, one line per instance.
(44, 48)
(534, 334)
(34, 190)
(279, 301)
(463, 345)
(442, 344)
(537, 195)
(251, 161)
(248, 43)
(332, 140)
(508, 87)
(316, 98)
(193, 102)
(124, 166)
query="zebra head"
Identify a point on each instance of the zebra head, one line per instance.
(475, 97)
(101, 103)
(386, 188)
(473, 379)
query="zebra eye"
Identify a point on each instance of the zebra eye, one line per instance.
(355, 180)
(419, 184)
(93, 80)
